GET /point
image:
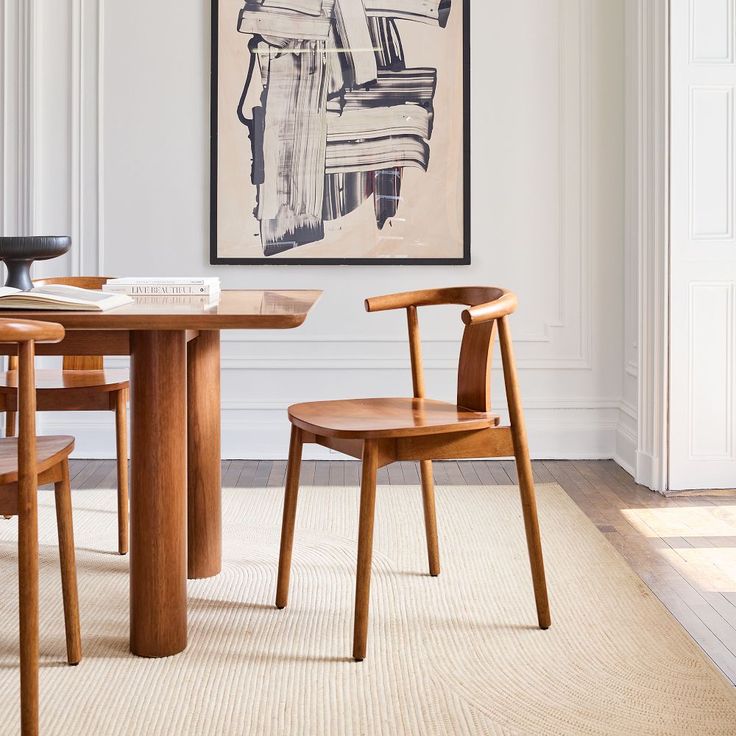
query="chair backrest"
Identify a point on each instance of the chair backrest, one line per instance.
(488, 309)
(74, 362)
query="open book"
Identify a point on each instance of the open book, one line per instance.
(59, 297)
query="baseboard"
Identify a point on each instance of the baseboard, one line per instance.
(626, 440)
(649, 472)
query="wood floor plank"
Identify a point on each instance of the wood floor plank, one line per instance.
(247, 474)
(352, 473)
(470, 477)
(454, 475)
(395, 475)
(411, 473)
(510, 467)
(541, 474)
(277, 476)
(321, 473)
(440, 472)
(263, 471)
(336, 475)
(232, 473)
(85, 472)
(484, 473)
(500, 476)
(306, 476)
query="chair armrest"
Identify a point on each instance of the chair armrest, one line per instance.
(403, 300)
(484, 302)
(505, 304)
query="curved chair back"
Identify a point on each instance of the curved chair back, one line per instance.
(488, 308)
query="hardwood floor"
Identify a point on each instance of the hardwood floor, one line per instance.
(682, 547)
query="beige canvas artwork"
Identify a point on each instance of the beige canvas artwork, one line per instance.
(340, 131)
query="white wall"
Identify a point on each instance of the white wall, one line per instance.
(120, 126)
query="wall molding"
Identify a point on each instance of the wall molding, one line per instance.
(86, 185)
(576, 175)
(652, 239)
(18, 126)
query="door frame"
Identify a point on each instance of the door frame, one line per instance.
(648, 142)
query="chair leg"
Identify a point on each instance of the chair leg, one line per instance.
(365, 548)
(526, 479)
(10, 423)
(28, 609)
(430, 517)
(533, 538)
(68, 566)
(9, 432)
(289, 520)
(121, 438)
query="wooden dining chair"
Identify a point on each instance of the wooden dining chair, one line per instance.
(26, 463)
(82, 384)
(382, 431)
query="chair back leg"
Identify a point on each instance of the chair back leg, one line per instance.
(365, 547)
(65, 528)
(526, 479)
(287, 527)
(121, 438)
(430, 517)
(10, 423)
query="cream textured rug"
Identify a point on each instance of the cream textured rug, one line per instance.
(459, 654)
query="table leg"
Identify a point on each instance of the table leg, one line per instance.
(205, 492)
(158, 545)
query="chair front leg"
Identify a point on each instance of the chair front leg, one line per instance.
(526, 478)
(365, 548)
(63, 498)
(533, 538)
(121, 438)
(289, 520)
(430, 517)
(28, 610)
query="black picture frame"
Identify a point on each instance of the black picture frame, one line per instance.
(217, 260)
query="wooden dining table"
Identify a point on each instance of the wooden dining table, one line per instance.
(175, 505)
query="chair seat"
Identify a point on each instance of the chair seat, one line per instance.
(375, 418)
(49, 452)
(56, 380)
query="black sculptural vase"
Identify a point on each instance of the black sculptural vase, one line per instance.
(19, 254)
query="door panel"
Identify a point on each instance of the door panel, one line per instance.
(703, 245)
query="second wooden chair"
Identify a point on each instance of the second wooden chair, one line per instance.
(82, 384)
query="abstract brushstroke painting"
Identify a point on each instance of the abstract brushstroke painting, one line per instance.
(340, 131)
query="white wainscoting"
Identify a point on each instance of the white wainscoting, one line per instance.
(119, 112)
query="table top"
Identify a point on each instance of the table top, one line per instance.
(237, 309)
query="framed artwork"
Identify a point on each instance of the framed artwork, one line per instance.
(340, 132)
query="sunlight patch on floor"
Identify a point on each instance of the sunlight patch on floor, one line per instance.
(684, 521)
(700, 542)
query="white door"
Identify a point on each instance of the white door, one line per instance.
(703, 245)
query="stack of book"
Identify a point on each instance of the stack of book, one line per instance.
(204, 290)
